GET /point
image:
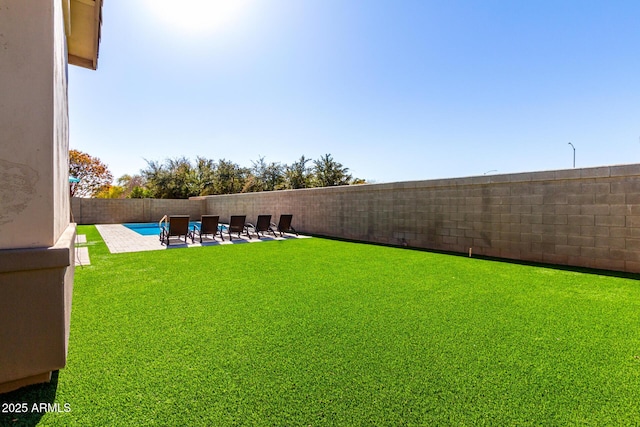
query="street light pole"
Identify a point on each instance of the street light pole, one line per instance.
(574, 155)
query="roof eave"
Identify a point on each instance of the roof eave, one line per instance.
(83, 21)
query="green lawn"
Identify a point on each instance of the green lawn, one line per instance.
(316, 332)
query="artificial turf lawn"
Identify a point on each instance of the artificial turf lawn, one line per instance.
(319, 332)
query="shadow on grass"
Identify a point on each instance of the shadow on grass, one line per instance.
(31, 402)
(586, 270)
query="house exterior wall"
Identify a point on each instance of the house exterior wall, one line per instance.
(60, 146)
(36, 236)
(34, 120)
(581, 217)
(35, 289)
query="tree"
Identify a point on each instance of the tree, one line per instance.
(94, 175)
(329, 173)
(255, 180)
(157, 179)
(273, 177)
(175, 179)
(134, 187)
(139, 193)
(205, 174)
(229, 177)
(298, 175)
(264, 177)
(179, 178)
(111, 192)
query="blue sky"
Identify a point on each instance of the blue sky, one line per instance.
(394, 90)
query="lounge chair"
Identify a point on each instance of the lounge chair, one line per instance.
(263, 224)
(176, 226)
(284, 225)
(208, 225)
(237, 225)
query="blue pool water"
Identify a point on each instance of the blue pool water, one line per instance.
(152, 229)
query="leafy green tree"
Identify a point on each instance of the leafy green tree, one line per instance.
(139, 193)
(328, 173)
(298, 174)
(205, 176)
(175, 179)
(134, 186)
(157, 178)
(183, 183)
(111, 192)
(179, 178)
(265, 177)
(229, 177)
(251, 184)
(94, 175)
(274, 177)
(254, 181)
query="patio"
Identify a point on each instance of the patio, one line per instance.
(120, 239)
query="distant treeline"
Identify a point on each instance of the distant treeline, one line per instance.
(180, 178)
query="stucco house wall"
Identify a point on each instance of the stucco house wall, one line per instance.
(34, 137)
(36, 235)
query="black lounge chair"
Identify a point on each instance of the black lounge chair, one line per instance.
(176, 226)
(263, 224)
(208, 225)
(237, 225)
(284, 225)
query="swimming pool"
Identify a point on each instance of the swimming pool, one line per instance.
(152, 228)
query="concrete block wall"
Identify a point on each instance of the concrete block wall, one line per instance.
(582, 217)
(116, 211)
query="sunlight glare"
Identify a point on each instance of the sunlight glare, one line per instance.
(198, 16)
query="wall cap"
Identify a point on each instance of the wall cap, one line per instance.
(56, 256)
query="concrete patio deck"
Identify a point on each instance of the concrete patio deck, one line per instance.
(120, 239)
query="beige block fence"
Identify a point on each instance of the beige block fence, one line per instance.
(580, 217)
